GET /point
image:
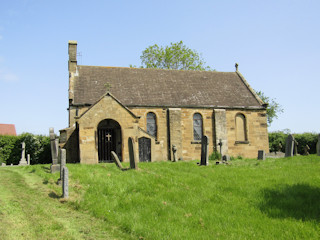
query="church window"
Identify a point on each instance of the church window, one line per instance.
(241, 128)
(197, 127)
(152, 124)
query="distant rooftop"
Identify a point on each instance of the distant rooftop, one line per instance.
(8, 129)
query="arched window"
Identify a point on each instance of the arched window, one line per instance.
(241, 128)
(152, 124)
(197, 127)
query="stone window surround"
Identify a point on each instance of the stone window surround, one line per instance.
(156, 124)
(246, 141)
(196, 141)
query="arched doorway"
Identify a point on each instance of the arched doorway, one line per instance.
(109, 139)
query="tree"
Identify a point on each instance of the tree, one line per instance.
(175, 56)
(273, 108)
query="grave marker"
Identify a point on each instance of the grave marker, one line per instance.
(174, 151)
(23, 161)
(116, 160)
(204, 151)
(318, 146)
(54, 152)
(63, 159)
(132, 156)
(65, 182)
(289, 146)
(28, 159)
(261, 155)
(306, 149)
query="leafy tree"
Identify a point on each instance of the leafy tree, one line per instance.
(175, 56)
(273, 108)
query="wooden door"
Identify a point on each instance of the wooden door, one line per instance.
(106, 144)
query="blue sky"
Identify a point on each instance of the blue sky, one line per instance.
(276, 43)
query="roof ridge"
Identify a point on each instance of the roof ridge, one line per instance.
(155, 69)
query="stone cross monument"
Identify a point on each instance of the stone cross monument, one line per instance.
(23, 161)
(55, 167)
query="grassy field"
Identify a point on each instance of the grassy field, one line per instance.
(248, 199)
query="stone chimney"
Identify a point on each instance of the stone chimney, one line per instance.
(72, 50)
(73, 73)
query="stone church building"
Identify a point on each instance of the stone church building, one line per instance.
(160, 109)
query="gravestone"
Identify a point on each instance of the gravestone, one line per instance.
(23, 161)
(204, 151)
(318, 145)
(28, 159)
(54, 152)
(261, 155)
(226, 158)
(116, 160)
(65, 182)
(63, 159)
(144, 149)
(3, 164)
(295, 149)
(289, 146)
(174, 151)
(132, 156)
(306, 149)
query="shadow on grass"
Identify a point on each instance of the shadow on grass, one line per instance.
(46, 169)
(54, 195)
(300, 201)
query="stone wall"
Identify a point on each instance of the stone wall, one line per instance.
(257, 133)
(217, 124)
(191, 148)
(106, 108)
(160, 148)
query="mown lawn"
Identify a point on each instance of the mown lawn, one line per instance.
(248, 199)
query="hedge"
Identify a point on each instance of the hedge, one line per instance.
(38, 146)
(303, 139)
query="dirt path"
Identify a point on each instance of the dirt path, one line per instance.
(28, 212)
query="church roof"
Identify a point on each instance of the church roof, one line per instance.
(164, 88)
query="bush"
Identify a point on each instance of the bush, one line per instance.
(215, 156)
(275, 138)
(7, 144)
(38, 146)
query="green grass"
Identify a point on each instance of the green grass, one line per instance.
(249, 199)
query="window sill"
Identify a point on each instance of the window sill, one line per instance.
(196, 142)
(241, 142)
